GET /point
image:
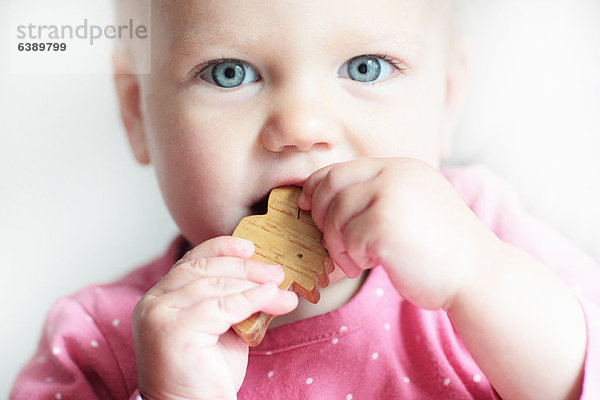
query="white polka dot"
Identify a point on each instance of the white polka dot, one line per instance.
(379, 292)
(406, 379)
(58, 396)
(49, 379)
(447, 381)
(309, 381)
(270, 374)
(375, 356)
(476, 378)
(335, 340)
(88, 318)
(139, 397)
(269, 353)
(56, 351)
(93, 343)
(349, 396)
(343, 328)
(386, 326)
(115, 322)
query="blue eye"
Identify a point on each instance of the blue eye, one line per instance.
(228, 74)
(366, 69)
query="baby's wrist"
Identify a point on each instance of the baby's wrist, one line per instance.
(486, 261)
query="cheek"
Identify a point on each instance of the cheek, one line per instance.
(406, 125)
(201, 161)
(419, 118)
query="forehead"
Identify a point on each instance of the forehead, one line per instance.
(182, 23)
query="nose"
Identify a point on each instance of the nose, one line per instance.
(301, 119)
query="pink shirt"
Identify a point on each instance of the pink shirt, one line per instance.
(375, 346)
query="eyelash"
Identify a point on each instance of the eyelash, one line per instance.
(398, 65)
(204, 66)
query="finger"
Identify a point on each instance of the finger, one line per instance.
(366, 165)
(348, 204)
(337, 180)
(305, 199)
(226, 267)
(216, 315)
(202, 289)
(346, 264)
(220, 246)
(366, 247)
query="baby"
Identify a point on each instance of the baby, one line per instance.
(443, 288)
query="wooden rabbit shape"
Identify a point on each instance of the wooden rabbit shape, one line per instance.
(285, 236)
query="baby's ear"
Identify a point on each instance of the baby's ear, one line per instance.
(457, 81)
(128, 91)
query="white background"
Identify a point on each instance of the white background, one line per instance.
(76, 209)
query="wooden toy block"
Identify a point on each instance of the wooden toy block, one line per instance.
(285, 236)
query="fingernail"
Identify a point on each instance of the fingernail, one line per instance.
(270, 286)
(301, 199)
(290, 296)
(275, 269)
(247, 246)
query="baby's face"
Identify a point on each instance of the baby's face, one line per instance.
(245, 96)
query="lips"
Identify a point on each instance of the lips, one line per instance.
(260, 207)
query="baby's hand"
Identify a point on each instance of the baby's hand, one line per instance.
(183, 345)
(403, 215)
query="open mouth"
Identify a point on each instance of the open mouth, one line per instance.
(260, 207)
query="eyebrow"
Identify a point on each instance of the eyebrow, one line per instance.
(403, 39)
(184, 45)
(191, 40)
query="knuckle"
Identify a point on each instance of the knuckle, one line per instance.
(374, 250)
(381, 215)
(246, 266)
(216, 283)
(349, 243)
(221, 244)
(188, 256)
(138, 313)
(223, 305)
(148, 314)
(143, 305)
(200, 264)
(331, 178)
(332, 229)
(336, 213)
